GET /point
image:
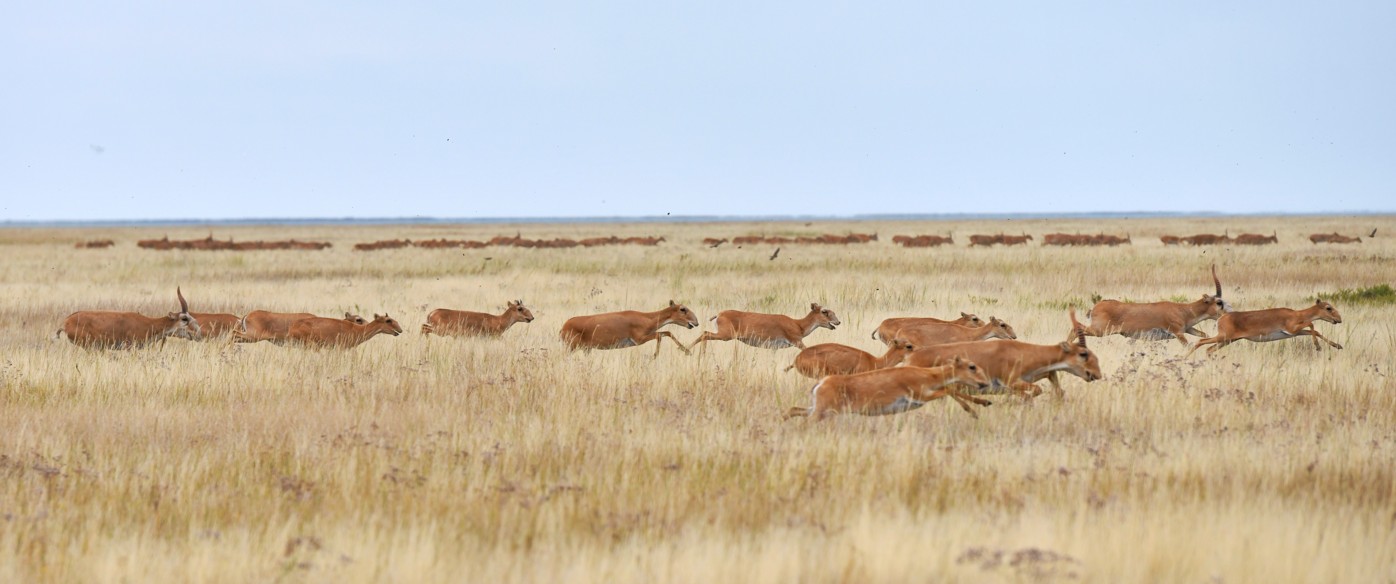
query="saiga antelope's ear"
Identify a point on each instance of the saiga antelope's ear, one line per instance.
(671, 303)
(814, 306)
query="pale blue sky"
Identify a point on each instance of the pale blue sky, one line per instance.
(139, 109)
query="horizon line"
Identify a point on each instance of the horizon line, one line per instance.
(429, 220)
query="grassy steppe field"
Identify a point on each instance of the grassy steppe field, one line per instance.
(421, 459)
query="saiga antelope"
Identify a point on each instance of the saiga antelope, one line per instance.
(319, 332)
(216, 325)
(889, 327)
(262, 325)
(444, 321)
(628, 328)
(1015, 239)
(1257, 239)
(1156, 320)
(835, 359)
(770, 331)
(121, 330)
(1272, 324)
(928, 335)
(1020, 365)
(893, 391)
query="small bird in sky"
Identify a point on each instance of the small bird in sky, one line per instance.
(1374, 234)
(777, 252)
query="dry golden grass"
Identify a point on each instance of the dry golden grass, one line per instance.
(428, 459)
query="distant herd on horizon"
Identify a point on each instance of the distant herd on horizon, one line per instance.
(1050, 239)
(926, 358)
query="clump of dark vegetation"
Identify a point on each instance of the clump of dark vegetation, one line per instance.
(1378, 295)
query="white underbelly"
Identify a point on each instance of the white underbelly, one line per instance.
(1275, 336)
(903, 404)
(1157, 334)
(767, 343)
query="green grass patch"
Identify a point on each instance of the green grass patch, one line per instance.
(1381, 294)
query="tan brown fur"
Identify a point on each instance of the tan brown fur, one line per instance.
(893, 391)
(889, 327)
(447, 322)
(770, 331)
(1272, 324)
(319, 332)
(216, 325)
(263, 325)
(927, 335)
(1019, 365)
(835, 359)
(627, 328)
(1156, 320)
(125, 330)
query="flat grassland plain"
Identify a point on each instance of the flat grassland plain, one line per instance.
(419, 459)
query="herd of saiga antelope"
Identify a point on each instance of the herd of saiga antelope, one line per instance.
(926, 358)
(1057, 239)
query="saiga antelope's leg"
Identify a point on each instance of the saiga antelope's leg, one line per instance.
(1025, 389)
(972, 399)
(1313, 332)
(659, 336)
(712, 336)
(959, 399)
(1057, 390)
(725, 332)
(1207, 341)
(799, 412)
(1219, 345)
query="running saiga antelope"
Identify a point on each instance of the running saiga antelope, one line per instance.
(318, 332)
(928, 335)
(122, 330)
(1156, 320)
(770, 331)
(262, 325)
(628, 328)
(1019, 365)
(889, 327)
(835, 359)
(444, 321)
(216, 325)
(1272, 324)
(893, 391)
